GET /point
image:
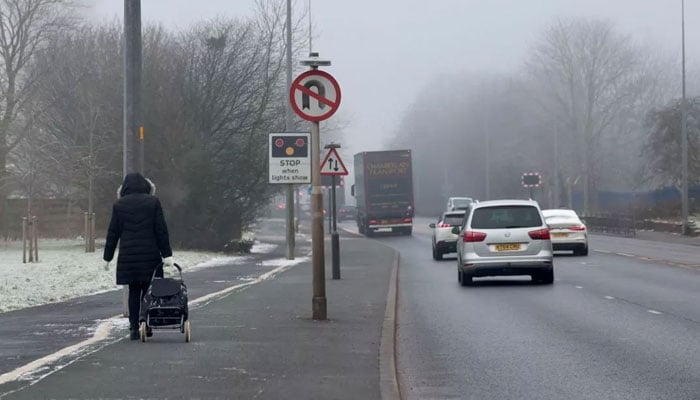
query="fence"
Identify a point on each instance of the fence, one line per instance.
(60, 218)
(618, 224)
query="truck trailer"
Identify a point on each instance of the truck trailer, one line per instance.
(383, 191)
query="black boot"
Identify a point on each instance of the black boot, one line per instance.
(149, 331)
(134, 334)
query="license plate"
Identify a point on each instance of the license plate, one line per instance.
(508, 247)
(559, 234)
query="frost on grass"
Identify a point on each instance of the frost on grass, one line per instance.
(64, 271)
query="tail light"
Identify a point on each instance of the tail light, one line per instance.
(407, 220)
(540, 234)
(471, 236)
(578, 228)
(373, 222)
(444, 225)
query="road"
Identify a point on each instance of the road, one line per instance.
(622, 323)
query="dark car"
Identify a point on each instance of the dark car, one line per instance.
(346, 212)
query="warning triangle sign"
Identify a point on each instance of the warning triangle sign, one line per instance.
(333, 164)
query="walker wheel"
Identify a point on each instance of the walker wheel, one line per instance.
(188, 332)
(142, 332)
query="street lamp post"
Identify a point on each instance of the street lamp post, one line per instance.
(684, 132)
(288, 122)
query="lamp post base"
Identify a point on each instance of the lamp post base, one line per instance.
(319, 308)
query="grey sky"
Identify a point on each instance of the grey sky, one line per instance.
(385, 51)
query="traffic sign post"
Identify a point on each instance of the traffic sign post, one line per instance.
(332, 163)
(333, 166)
(315, 96)
(290, 159)
(315, 105)
(531, 180)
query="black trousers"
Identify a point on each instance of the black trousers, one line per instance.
(136, 292)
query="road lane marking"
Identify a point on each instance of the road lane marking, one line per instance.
(609, 297)
(625, 254)
(579, 287)
(655, 312)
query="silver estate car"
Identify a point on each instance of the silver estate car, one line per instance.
(504, 237)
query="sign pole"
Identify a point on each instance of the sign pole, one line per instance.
(315, 96)
(330, 207)
(335, 239)
(319, 306)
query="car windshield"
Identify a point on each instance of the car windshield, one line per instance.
(501, 217)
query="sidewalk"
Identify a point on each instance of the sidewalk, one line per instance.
(668, 237)
(256, 343)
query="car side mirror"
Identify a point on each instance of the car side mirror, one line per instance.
(456, 229)
(432, 225)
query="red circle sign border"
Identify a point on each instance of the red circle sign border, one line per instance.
(293, 89)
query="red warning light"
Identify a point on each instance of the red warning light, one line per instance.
(279, 142)
(300, 142)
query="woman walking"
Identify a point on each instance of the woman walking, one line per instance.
(138, 225)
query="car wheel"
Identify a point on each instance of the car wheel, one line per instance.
(434, 253)
(464, 278)
(546, 278)
(583, 251)
(438, 254)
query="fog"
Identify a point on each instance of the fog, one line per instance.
(385, 52)
(477, 89)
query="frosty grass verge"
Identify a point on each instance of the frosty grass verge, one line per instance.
(65, 271)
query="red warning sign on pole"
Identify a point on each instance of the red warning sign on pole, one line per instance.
(315, 95)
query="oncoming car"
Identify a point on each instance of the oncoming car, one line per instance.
(567, 231)
(444, 240)
(504, 237)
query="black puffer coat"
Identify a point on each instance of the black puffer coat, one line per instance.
(138, 225)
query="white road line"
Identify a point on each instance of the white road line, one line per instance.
(655, 312)
(609, 297)
(103, 329)
(579, 287)
(625, 254)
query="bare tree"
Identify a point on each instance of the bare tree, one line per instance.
(663, 144)
(25, 27)
(80, 100)
(589, 76)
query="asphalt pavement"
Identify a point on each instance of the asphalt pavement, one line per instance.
(255, 342)
(621, 323)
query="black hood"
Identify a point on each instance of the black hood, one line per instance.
(136, 183)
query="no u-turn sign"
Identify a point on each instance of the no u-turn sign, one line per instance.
(315, 95)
